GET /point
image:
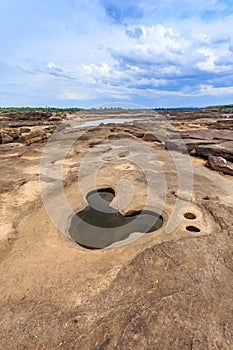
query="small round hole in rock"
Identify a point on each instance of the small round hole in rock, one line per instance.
(190, 216)
(192, 229)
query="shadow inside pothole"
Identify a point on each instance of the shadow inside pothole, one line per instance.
(99, 225)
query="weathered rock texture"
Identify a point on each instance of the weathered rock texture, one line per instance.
(220, 164)
(27, 127)
(162, 291)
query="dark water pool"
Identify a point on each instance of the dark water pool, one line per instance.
(100, 225)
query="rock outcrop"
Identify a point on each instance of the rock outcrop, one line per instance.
(27, 127)
(220, 164)
(166, 290)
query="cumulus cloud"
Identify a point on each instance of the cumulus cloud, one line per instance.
(129, 50)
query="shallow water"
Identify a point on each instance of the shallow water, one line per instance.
(100, 225)
(106, 121)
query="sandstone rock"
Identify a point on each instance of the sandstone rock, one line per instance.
(224, 124)
(15, 134)
(13, 149)
(206, 134)
(54, 119)
(120, 136)
(184, 145)
(34, 136)
(94, 129)
(150, 137)
(63, 126)
(221, 149)
(161, 292)
(24, 130)
(138, 134)
(27, 118)
(5, 138)
(94, 143)
(220, 164)
(84, 137)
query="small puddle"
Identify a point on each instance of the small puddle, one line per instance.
(99, 225)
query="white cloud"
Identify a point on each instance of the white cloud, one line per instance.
(51, 65)
(178, 48)
(71, 95)
(215, 91)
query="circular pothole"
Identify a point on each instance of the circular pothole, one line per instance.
(99, 225)
(190, 216)
(193, 229)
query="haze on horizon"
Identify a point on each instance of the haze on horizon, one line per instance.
(162, 53)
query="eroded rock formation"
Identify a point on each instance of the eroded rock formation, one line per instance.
(169, 289)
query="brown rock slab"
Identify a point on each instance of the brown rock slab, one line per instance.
(117, 136)
(34, 136)
(94, 143)
(138, 134)
(150, 137)
(222, 149)
(206, 134)
(5, 138)
(184, 145)
(24, 130)
(84, 137)
(220, 164)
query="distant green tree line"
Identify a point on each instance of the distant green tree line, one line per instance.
(39, 109)
(226, 107)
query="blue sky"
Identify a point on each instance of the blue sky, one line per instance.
(159, 53)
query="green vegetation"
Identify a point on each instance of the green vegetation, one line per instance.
(226, 108)
(40, 109)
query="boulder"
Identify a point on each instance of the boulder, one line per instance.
(5, 138)
(220, 164)
(149, 136)
(15, 134)
(84, 137)
(138, 134)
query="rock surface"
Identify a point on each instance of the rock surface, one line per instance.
(150, 137)
(220, 149)
(203, 142)
(171, 289)
(220, 164)
(27, 127)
